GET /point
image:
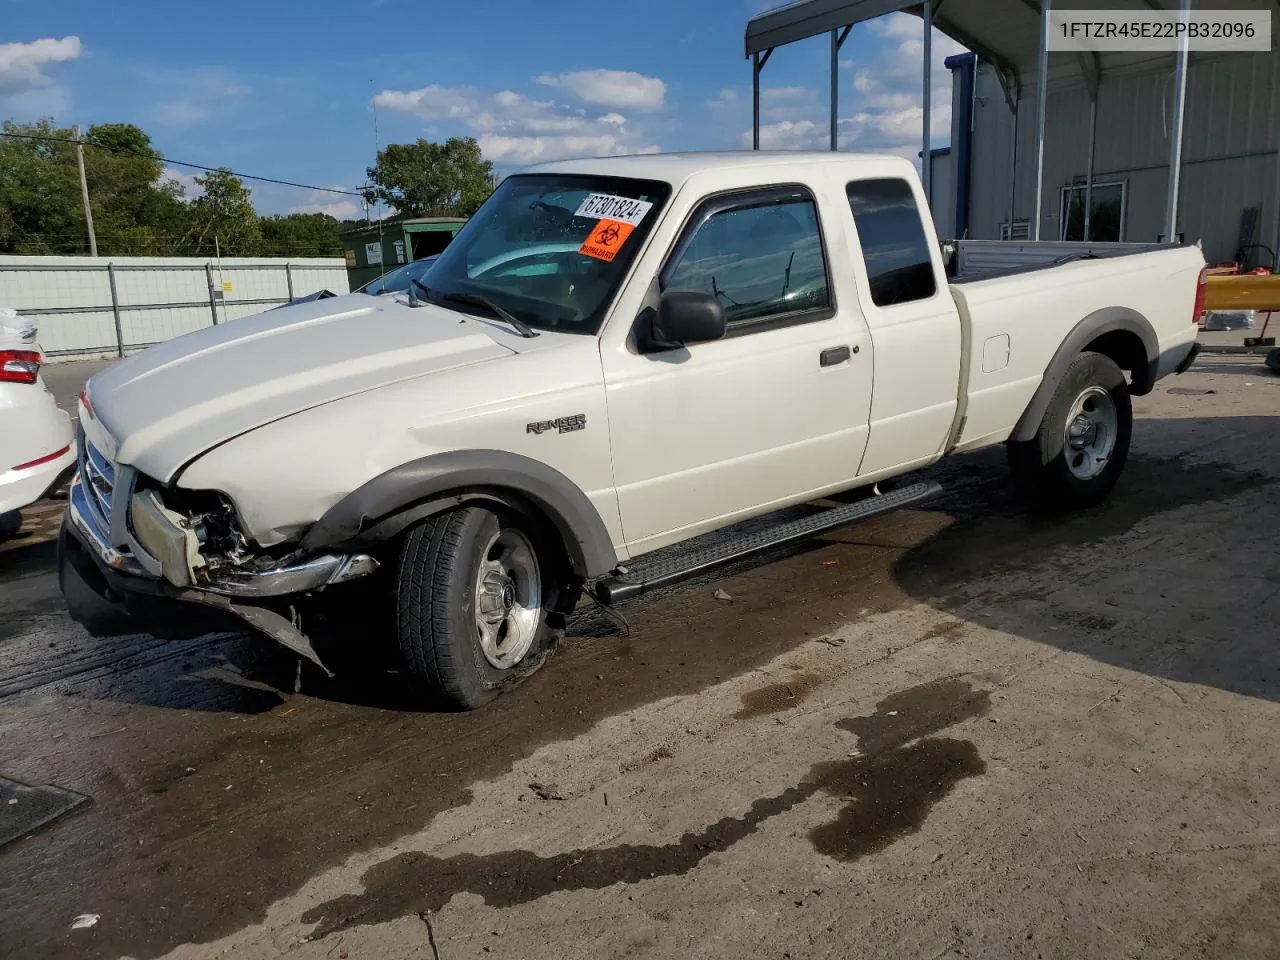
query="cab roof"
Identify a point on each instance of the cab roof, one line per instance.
(675, 168)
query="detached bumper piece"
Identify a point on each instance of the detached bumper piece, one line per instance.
(80, 554)
(660, 571)
(287, 578)
(116, 573)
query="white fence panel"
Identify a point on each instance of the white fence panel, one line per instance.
(108, 306)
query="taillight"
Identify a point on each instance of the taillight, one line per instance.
(1202, 288)
(19, 366)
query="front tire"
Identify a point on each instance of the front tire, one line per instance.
(473, 613)
(1081, 445)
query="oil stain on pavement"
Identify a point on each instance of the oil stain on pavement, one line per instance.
(887, 791)
(780, 696)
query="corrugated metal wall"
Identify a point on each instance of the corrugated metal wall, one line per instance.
(942, 201)
(1231, 149)
(106, 306)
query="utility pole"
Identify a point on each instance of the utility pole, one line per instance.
(84, 191)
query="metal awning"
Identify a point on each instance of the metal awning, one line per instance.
(1011, 35)
(1005, 33)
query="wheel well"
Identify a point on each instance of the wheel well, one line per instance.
(1127, 351)
(548, 534)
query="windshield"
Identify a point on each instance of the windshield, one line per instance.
(397, 280)
(550, 249)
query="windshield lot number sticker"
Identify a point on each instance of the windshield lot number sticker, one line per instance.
(606, 240)
(604, 206)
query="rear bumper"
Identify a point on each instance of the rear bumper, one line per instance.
(1189, 359)
(21, 488)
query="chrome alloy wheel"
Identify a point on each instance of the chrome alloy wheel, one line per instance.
(508, 598)
(1091, 431)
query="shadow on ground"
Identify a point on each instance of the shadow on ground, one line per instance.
(1194, 604)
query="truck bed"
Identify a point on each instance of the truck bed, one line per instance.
(971, 260)
(1016, 318)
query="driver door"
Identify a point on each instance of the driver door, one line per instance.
(773, 413)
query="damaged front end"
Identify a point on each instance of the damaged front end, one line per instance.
(189, 545)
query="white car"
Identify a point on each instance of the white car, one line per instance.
(612, 356)
(36, 441)
(400, 279)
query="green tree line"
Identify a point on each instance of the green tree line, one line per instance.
(137, 211)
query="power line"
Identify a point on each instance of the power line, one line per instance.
(181, 163)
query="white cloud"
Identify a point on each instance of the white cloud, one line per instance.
(512, 128)
(431, 103)
(507, 149)
(895, 126)
(621, 89)
(22, 65)
(785, 94)
(338, 209)
(908, 31)
(34, 102)
(727, 97)
(790, 135)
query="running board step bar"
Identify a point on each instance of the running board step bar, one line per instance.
(649, 574)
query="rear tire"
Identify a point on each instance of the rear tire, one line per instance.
(473, 606)
(1081, 445)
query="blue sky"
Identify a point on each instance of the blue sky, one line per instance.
(288, 89)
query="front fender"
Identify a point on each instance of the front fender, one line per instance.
(383, 506)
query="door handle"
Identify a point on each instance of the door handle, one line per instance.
(833, 355)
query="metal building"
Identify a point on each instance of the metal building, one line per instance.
(1230, 170)
(1186, 143)
(372, 250)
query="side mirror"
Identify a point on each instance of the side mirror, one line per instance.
(683, 317)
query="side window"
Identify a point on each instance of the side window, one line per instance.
(760, 255)
(893, 240)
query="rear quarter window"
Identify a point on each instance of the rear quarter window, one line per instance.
(894, 244)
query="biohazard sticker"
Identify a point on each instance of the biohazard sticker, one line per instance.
(606, 240)
(605, 206)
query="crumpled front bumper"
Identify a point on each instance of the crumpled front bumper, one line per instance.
(120, 574)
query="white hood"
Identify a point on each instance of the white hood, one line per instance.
(174, 401)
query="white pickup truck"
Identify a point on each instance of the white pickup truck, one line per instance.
(613, 356)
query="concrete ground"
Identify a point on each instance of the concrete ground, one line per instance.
(954, 731)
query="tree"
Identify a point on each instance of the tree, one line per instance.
(222, 218)
(135, 211)
(39, 191)
(300, 235)
(424, 179)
